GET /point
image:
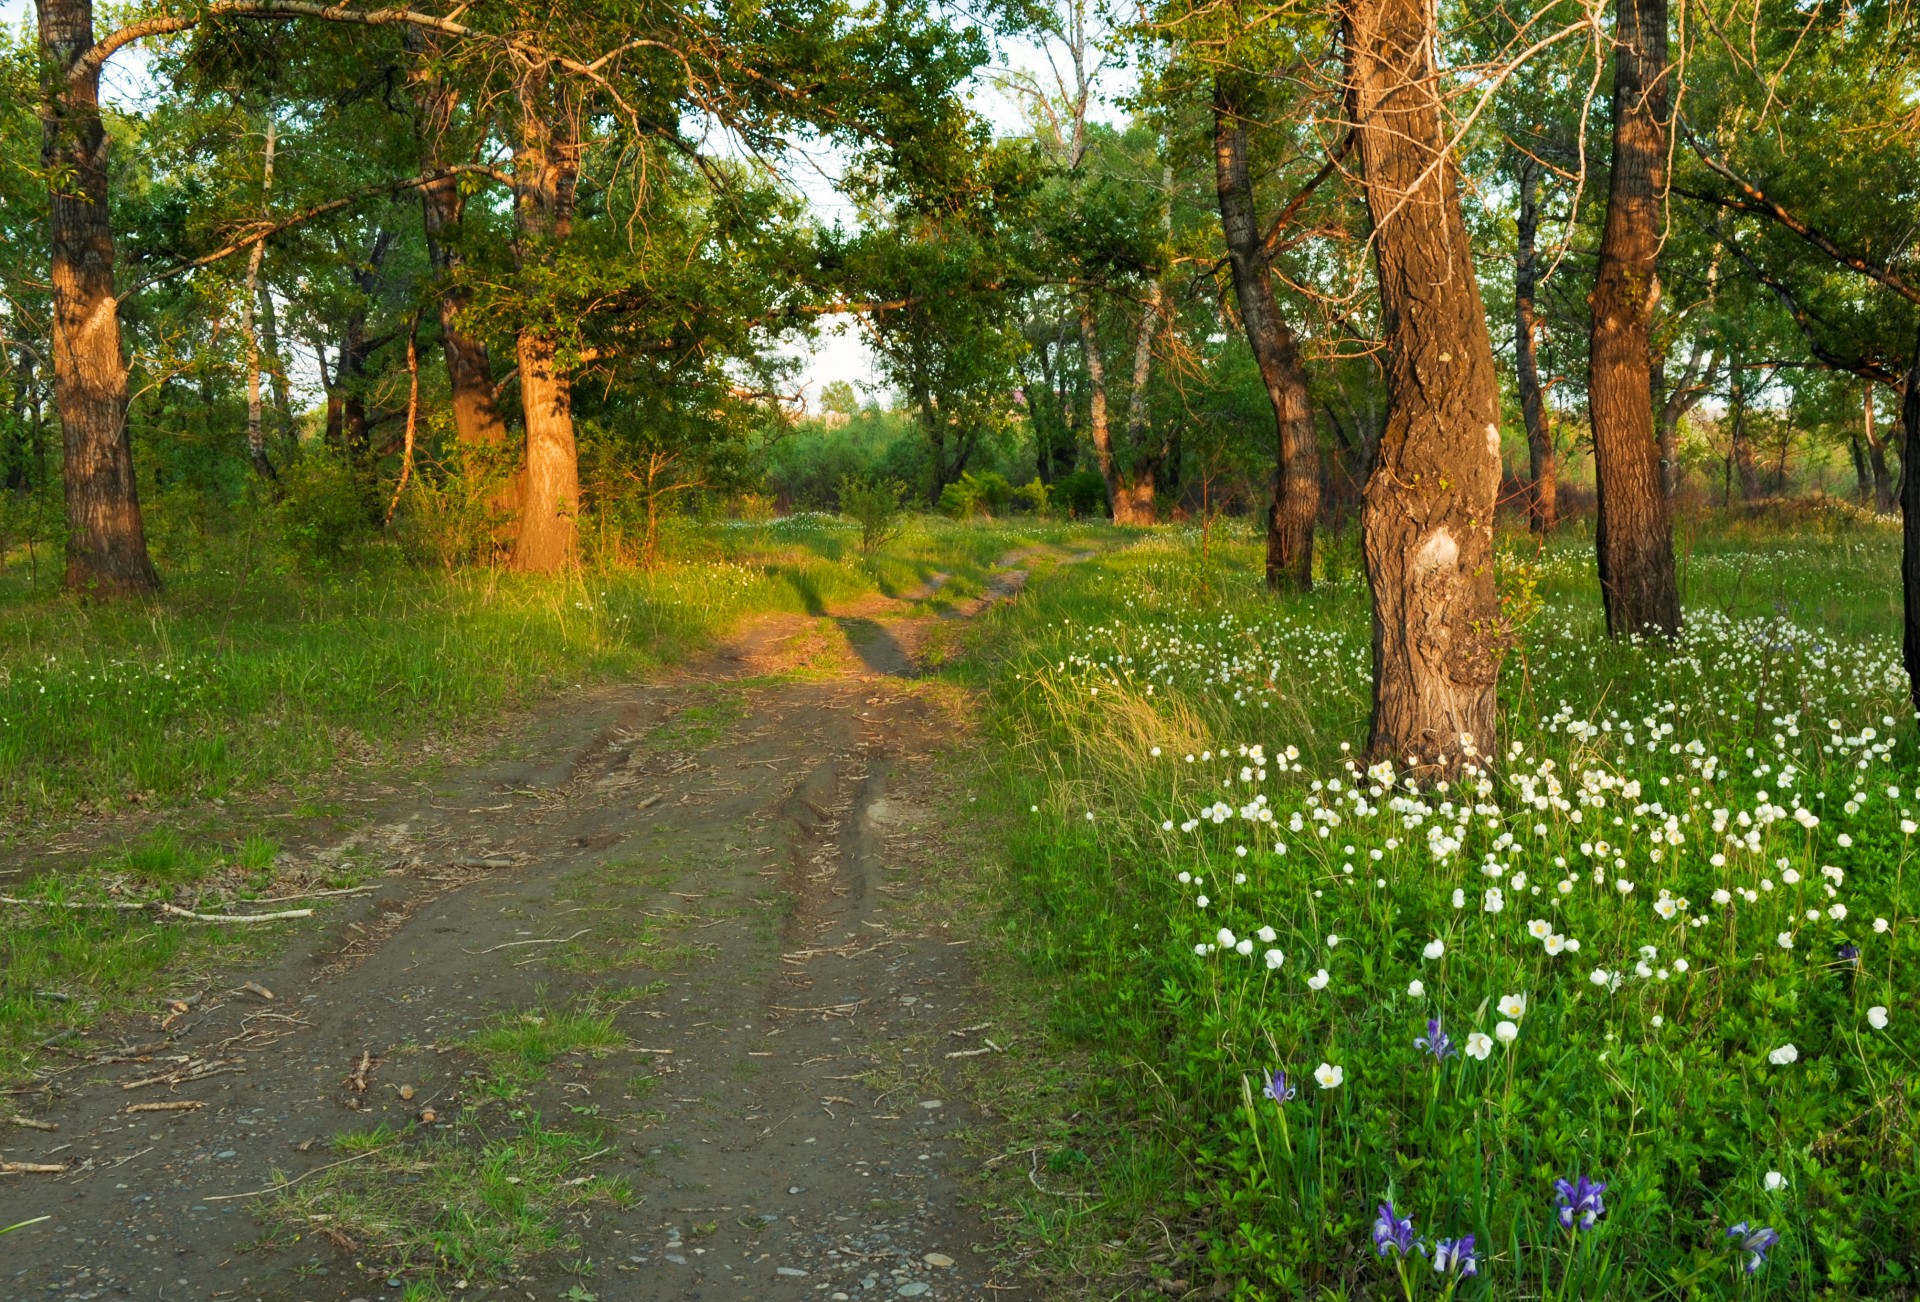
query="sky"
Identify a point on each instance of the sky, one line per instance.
(839, 352)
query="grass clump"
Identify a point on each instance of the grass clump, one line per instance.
(521, 1046)
(452, 1208)
(1664, 940)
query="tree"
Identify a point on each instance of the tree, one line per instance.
(1634, 536)
(106, 535)
(1542, 478)
(1296, 492)
(1428, 520)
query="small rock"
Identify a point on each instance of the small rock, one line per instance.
(940, 1259)
(675, 1258)
(930, 1104)
(914, 1289)
(225, 1153)
(796, 1189)
(792, 1272)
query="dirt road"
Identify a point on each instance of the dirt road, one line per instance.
(741, 866)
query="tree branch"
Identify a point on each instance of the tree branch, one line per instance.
(1764, 206)
(1827, 357)
(1271, 244)
(264, 232)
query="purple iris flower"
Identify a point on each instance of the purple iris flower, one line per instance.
(1849, 954)
(1436, 1041)
(1455, 1255)
(1277, 1088)
(1754, 1242)
(1579, 1202)
(1392, 1233)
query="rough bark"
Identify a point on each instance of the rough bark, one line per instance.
(106, 537)
(1438, 635)
(546, 163)
(1137, 481)
(1542, 471)
(1296, 491)
(1910, 526)
(1634, 534)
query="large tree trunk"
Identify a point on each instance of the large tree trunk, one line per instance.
(1438, 635)
(1634, 535)
(1296, 489)
(1910, 526)
(1877, 460)
(106, 538)
(1542, 472)
(1136, 485)
(546, 163)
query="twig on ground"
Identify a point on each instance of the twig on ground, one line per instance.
(555, 940)
(29, 1123)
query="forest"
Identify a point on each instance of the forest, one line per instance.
(1259, 650)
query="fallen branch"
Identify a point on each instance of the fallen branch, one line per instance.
(160, 908)
(357, 1080)
(556, 940)
(32, 1168)
(30, 1124)
(191, 1071)
(288, 1184)
(180, 1105)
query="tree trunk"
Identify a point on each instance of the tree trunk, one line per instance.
(1862, 476)
(277, 370)
(106, 537)
(1910, 526)
(256, 433)
(1634, 534)
(1542, 472)
(1296, 489)
(1099, 422)
(1877, 460)
(476, 417)
(546, 164)
(1438, 635)
(1136, 486)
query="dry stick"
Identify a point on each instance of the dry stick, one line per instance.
(557, 940)
(30, 1123)
(165, 910)
(32, 1168)
(288, 1184)
(181, 1105)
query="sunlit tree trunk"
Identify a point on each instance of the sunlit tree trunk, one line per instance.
(1296, 492)
(1438, 636)
(546, 165)
(1634, 535)
(106, 537)
(1542, 472)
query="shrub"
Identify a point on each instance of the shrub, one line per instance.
(987, 493)
(874, 504)
(1082, 493)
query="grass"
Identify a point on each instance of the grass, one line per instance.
(1165, 729)
(223, 687)
(439, 1211)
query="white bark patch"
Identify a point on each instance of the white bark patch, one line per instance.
(1438, 550)
(1493, 440)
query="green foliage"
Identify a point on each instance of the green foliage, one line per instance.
(982, 494)
(1082, 493)
(328, 512)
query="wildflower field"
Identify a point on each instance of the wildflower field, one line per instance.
(1626, 1012)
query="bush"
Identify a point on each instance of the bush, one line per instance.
(327, 511)
(875, 505)
(987, 493)
(1082, 493)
